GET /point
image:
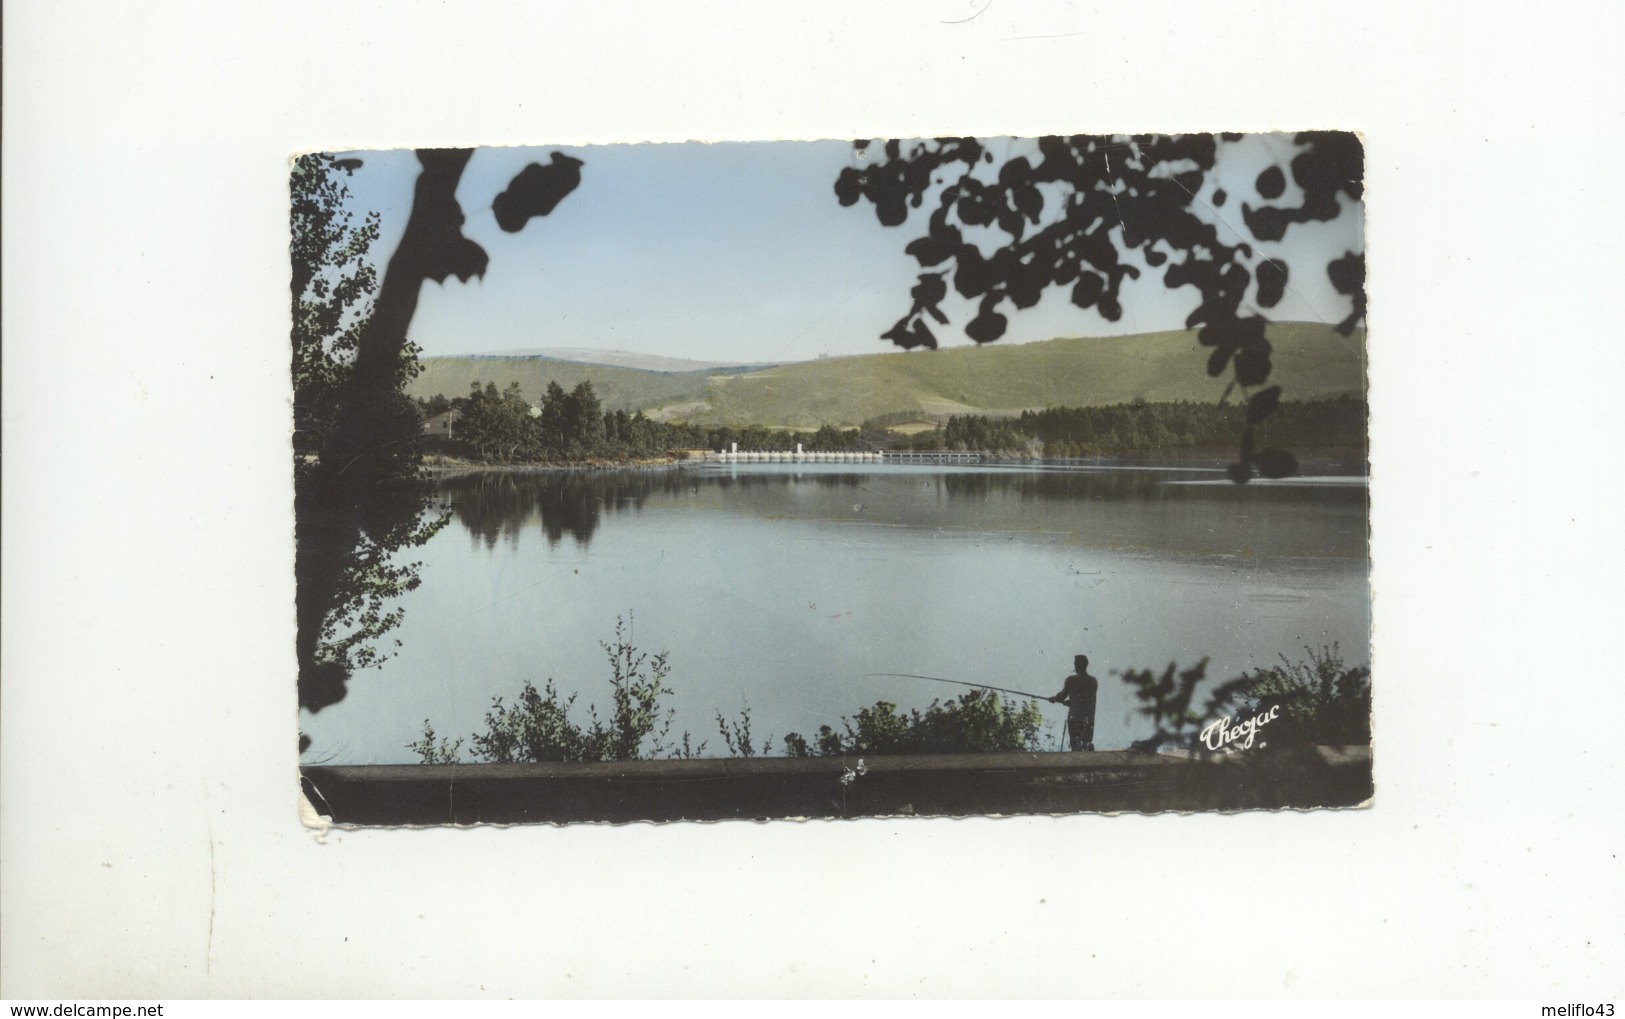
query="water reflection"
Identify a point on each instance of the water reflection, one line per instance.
(1120, 507)
(350, 569)
(498, 505)
(494, 505)
(1072, 485)
(1054, 485)
(780, 587)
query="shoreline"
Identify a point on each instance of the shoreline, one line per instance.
(439, 464)
(1319, 461)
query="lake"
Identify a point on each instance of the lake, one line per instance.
(781, 586)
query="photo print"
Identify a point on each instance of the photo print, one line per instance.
(831, 479)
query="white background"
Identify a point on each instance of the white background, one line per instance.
(151, 846)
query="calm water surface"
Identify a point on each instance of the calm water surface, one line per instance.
(779, 586)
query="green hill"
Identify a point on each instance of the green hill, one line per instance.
(1311, 362)
(618, 388)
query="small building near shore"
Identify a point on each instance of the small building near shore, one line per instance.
(440, 425)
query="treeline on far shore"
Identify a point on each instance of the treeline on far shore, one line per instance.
(1141, 426)
(501, 426)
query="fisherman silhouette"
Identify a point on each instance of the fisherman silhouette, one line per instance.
(1078, 694)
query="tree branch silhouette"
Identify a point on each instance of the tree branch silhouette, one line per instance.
(357, 504)
(1068, 219)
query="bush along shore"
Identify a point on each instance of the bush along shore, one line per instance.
(1318, 700)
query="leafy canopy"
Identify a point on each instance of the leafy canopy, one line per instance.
(1003, 234)
(333, 283)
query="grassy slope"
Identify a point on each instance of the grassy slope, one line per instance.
(1311, 361)
(618, 388)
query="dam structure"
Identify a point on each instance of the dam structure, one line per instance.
(733, 455)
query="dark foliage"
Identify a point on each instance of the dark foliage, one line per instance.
(976, 722)
(737, 738)
(357, 502)
(536, 191)
(353, 514)
(333, 285)
(1322, 700)
(538, 726)
(1056, 217)
(503, 427)
(1141, 427)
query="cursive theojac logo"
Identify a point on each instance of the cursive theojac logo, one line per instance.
(1222, 733)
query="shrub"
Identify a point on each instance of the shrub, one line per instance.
(974, 723)
(445, 752)
(538, 727)
(1322, 700)
(736, 736)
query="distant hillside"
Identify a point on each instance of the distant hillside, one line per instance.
(622, 359)
(1311, 362)
(619, 388)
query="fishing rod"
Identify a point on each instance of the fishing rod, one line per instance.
(959, 682)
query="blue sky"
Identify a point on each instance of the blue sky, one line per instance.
(739, 252)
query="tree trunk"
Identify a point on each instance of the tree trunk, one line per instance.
(366, 444)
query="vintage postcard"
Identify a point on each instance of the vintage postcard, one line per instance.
(830, 479)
